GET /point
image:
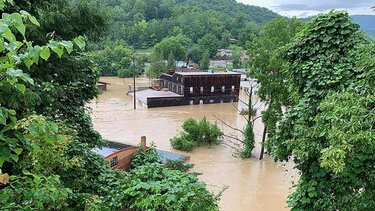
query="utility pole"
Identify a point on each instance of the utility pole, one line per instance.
(133, 66)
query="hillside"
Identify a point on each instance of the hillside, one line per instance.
(367, 23)
(143, 23)
(232, 8)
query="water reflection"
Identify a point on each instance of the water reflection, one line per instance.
(253, 184)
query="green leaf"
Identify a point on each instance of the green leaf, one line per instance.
(3, 116)
(14, 72)
(80, 42)
(68, 46)
(14, 157)
(9, 35)
(17, 150)
(21, 88)
(45, 53)
(2, 44)
(3, 27)
(57, 48)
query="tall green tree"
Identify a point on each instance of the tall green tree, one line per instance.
(329, 129)
(204, 64)
(158, 65)
(268, 67)
(171, 63)
(175, 44)
(210, 43)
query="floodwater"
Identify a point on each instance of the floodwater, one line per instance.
(252, 184)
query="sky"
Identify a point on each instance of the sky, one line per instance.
(306, 8)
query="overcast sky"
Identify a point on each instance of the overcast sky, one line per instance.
(305, 8)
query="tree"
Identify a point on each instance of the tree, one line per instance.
(157, 65)
(32, 145)
(268, 67)
(210, 43)
(176, 45)
(114, 59)
(171, 64)
(236, 58)
(328, 130)
(195, 53)
(204, 64)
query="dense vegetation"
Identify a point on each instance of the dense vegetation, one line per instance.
(46, 137)
(185, 28)
(143, 23)
(269, 68)
(196, 133)
(328, 128)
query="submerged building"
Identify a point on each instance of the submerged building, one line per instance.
(193, 88)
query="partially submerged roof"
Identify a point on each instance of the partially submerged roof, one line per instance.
(150, 93)
(208, 73)
(113, 147)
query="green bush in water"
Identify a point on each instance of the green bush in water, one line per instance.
(195, 134)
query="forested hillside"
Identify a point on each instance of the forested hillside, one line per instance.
(143, 23)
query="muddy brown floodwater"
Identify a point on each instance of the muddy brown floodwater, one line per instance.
(253, 184)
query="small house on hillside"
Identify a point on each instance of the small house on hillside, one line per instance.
(224, 53)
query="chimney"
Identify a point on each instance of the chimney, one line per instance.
(143, 143)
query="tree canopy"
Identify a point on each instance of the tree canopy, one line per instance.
(328, 129)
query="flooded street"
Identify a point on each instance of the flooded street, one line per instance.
(253, 184)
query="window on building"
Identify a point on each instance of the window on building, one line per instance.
(201, 89)
(211, 100)
(223, 88)
(191, 90)
(212, 88)
(113, 162)
(232, 88)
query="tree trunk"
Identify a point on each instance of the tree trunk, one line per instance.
(263, 142)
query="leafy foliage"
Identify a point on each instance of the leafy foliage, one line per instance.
(155, 187)
(268, 67)
(143, 157)
(144, 23)
(204, 64)
(329, 130)
(195, 134)
(158, 65)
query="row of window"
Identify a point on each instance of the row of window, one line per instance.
(212, 89)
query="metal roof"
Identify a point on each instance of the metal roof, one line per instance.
(208, 73)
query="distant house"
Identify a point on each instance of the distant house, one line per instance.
(181, 64)
(224, 52)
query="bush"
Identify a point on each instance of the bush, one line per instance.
(195, 134)
(179, 164)
(155, 187)
(141, 157)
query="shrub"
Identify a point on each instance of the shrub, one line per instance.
(196, 133)
(142, 157)
(155, 187)
(179, 164)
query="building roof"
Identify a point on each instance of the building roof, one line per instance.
(208, 73)
(115, 147)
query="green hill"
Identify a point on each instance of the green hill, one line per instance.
(143, 23)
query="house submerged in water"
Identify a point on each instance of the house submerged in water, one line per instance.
(192, 88)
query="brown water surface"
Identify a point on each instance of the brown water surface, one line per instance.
(253, 184)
